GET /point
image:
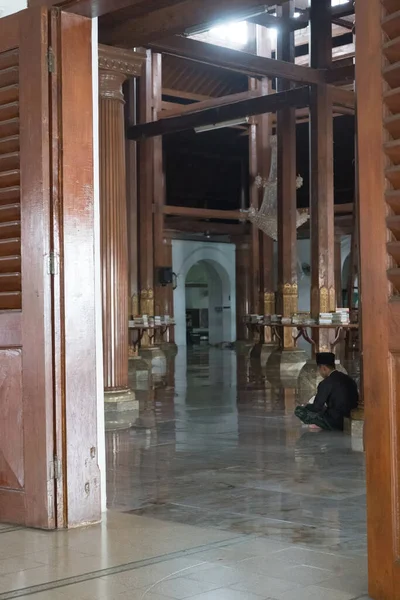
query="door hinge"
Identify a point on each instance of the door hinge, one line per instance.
(52, 265)
(55, 469)
(51, 61)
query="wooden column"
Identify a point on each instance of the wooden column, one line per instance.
(242, 288)
(146, 194)
(254, 200)
(264, 132)
(130, 93)
(323, 295)
(287, 194)
(338, 271)
(115, 66)
(161, 300)
(262, 247)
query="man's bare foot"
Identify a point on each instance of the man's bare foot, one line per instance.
(315, 428)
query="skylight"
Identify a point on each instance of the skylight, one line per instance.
(235, 33)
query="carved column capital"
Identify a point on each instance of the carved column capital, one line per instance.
(115, 66)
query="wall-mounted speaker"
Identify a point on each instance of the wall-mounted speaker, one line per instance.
(165, 276)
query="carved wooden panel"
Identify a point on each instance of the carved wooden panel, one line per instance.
(11, 423)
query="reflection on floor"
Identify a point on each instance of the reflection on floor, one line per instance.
(225, 497)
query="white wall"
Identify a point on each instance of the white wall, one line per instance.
(197, 297)
(220, 258)
(8, 7)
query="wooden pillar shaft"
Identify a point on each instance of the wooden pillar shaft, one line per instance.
(242, 289)
(146, 195)
(323, 295)
(287, 195)
(114, 68)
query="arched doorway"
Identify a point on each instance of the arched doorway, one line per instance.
(205, 291)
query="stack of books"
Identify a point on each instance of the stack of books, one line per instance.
(341, 316)
(325, 318)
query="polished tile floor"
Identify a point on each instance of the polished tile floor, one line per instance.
(216, 493)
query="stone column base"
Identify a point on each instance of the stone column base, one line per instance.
(355, 427)
(139, 368)
(284, 366)
(121, 409)
(262, 352)
(243, 346)
(170, 349)
(157, 359)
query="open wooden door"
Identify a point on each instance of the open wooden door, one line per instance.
(378, 102)
(26, 383)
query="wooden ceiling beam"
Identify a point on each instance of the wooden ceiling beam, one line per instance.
(297, 97)
(178, 18)
(92, 8)
(179, 109)
(204, 213)
(237, 61)
(342, 98)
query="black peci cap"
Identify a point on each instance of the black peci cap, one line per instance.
(325, 359)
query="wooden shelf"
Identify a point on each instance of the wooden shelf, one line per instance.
(9, 195)
(9, 162)
(10, 246)
(10, 230)
(392, 150)
(393, 175)
(391, 24)
(392, 100)
(9, 94)
(392, 124)
(10, 300)
(9, 178)
(393, 224)
(9, 128)
(392, 75)
(10, 282)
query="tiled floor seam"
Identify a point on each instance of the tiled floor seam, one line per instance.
(60, 583)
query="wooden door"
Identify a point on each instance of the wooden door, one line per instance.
(378, 101)
(26, 362)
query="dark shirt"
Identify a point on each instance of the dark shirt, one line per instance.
(337, 396)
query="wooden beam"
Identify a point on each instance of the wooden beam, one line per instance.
(204, 213)
(343, 103)
(234, 60)
(179, 109)
(340, 75)
(184, 95)
(168, 20)
(298, 97)
(91, 8)
(194, 226)
(342, 98)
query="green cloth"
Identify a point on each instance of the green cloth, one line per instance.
(308, 417)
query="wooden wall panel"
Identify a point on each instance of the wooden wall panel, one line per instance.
(83, 477)
(12, 421)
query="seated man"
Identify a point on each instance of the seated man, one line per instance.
(337, 396)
